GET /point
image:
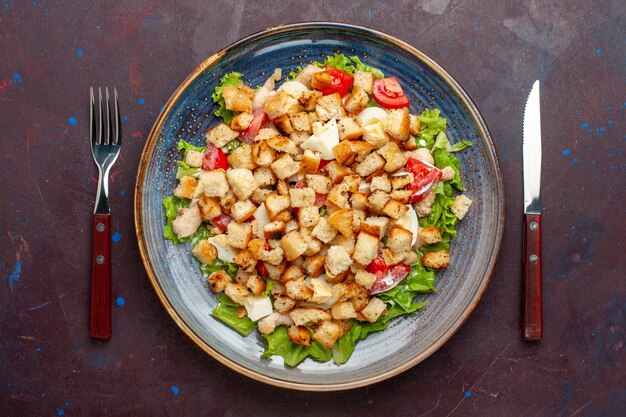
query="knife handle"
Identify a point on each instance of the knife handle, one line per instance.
(100, 314)
(532, 321)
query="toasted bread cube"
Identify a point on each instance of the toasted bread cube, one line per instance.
(293, 244)
(242, 210)
(374, 134)
(378, 199)
(204, 252)
(264, 177)
(300, 122)
(321, 80)
(308, 101)
(314, 245)
(343, 311)
(299, 137)
(359, 201)
(279, 104)
(353, 182)
(238, 97)
(259, 195)
(282, 187)
(241, 158)
(364, 80)
(221, 134)
(314, 265)
(338, 195)
(409, 145)
(327, 333)
(275, 271)
(238, 234)
(397, 124)
(374, 309)
(461, 206)
(357, 100)
(319, 183)
(436, 260)
(302, 197)
(283, 303)
(256, 284)
(194, 158)
(282, 144)
(347, 242)
(245, 260)
(236, 292)
(329, 107)
(299, 335)
(283, 124)
(401, 180)
(228, 201)
(342, 221)
(274, 204)
(214, 183)
(336, 172)
(399, 239)
(302, 316)
(324, 231)
(256, 246)
(349, 128)
(274, 230)
(362, 149)
(430, 235)
(209, 207)
(357, 217)
(395, 209)
(366, 248)
(286, 217)
(394, 157)
(298, 290)
(308, 216)
(241, 121)
(391, 258)
(358, 296)
(375, 226)
(345, 153)
(401, 196)
(310, 162)
(414, 125)
(262, 154)
(364, 278)
(337, 260)
(380, 183)
(306, 75)
(285, 167)
(218, 280)
(292, 273)
(373, 163)
(187, 187)
(242, 182)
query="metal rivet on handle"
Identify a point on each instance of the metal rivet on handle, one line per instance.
(100, 227)
(100, 259)
(533, 258)
(533, 226)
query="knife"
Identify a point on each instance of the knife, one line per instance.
(532, 321)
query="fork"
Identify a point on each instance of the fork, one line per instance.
(105, 147)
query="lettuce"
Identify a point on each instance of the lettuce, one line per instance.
(233, 144)
(172, 204)
(279, 344)
(186, 146)
(362, 67)
(230, 79)
(217, 265)
(185, 169)
(347, 64)
(226, 312)
(431, 124)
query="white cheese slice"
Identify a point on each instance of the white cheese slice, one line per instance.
(324, 140)
(262, 219)
(371, 115)
(225, 252)
(293, 88)
(257, 306)
(321, 290)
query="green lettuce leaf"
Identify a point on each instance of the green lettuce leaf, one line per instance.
(185, 169)
(420, 279)
(233, 144)
(226, 312)
(172, 204)
(217, 265)
(293, 74)
(362, 67)
(230, 79)
(431, 124)
(344, 347)
(340, 61)
(186, 146)
(279, 344)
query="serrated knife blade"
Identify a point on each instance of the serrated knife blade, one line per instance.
(532, 315)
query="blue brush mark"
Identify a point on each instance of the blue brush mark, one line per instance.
(124, 118)
(123, 192)
(16, 78)
(623, 104)
(610, 122)
(120, 301)
(16, 274)
(43, 394)
(79, 53)
(612, 167)
(601, 129)
(562, 133)
(141, 101)
(585, 126)
(73, 121)
(175, 390)
(566, 152)
(60, 411)
(598, 51)
(117, 237)
(38, 349)
(574, 160)
(468, 394)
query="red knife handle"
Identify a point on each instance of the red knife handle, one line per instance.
(532, 319)
(100, 314)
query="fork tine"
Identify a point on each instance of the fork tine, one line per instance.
(107, 140)
(99, 140)
(118, 136)
(92, 115)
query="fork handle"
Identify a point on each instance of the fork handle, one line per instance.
(100, 314)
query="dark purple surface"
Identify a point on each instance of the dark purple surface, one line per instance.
(52, 51)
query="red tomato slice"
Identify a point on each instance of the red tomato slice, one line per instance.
(248, 135)
(261, 268)
(221, 221)
(322, 166)
(425, 177)
(395, 275)
(388, 93)
(214, 158)
(378, 267)
(341, 82)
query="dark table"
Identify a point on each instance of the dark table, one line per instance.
(52, 51)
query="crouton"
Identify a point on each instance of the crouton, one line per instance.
(283, 303)
(256, 284)
(218, 280)
(242, 276)
(401, 196)
(329, 107)
(262, 154)
(364, 278)
(259, 195)
(282, 144)
(187, 221)
(241, 158)
(236, 292)
(214, 183)
(366, 248)
(266, 133)
(375, 226)
(228, 201)
(274, 256)
(401, 180)
(283, 124)
(395, 209)
(186, 188)
(342, 221)
(238, 97)
(338, 195)
(220, 135)
(349, 128)
(194, 158)
(374, 309)
(424, 206)
(298, 290)
(374, 134)
(292, 273)
(352, 182)
(285, 167)
(238, 234)
(299, 335)
(324, 231)
(204, 252)
(279, 104)
(308, 101)
(362, 149)
(314, 245)
(448, 173)
(321, 80)
(293, 244)
(358, 296)
(302, 197)
(378, 199)
(357, 217)
(321, 290)
(397, 124)
(461, 206)
(310, 162)
(302, 316)
(364, 80)
(337, 260)
(336, 172)
(274, 204)
(299, 137)
(374, 162)
(399, 240)
(256, 246)
(357, 100)
(274, 230)
(242, 210)
(264, 177)
(380, 183)
(241, 121)
(308, 216)
(319, 183)
(300, 122)
(245, 260)
(242, 182)
(358, 201)
(275, 271)
(436, 260)
(314, 265)
(345, 153)
(327, 334)
(282, 187)
(430, 235)
(394, 157)
(343, 311)
(414, 125)
(284, 216)
(346, 242)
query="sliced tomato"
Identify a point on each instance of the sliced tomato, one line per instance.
(214, 158)
(388, 93)
(341, 82)
(260, 119)
(221, 221)
(321, 169)
(425, 177)
(261, 268)
(378, 267)
(392, 278)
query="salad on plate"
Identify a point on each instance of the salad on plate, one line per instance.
(319, 207)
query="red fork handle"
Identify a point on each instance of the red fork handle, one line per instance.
(100, 314)
(532, 316)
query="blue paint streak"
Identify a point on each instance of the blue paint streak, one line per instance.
(16, 274)
(174, 389)
(73, 121)
(598, 51)
(120, 301)
(117, 237)
(124, 118)
(16, 78)
(79, 53)
(601, 129)
(584, 126)
(574, 160)
(38, 349)
(468, 394)
(566, 152)
(60, 411)
(123, 192)
(141, 101)
(610, 122)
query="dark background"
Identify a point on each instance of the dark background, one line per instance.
(51, 52)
